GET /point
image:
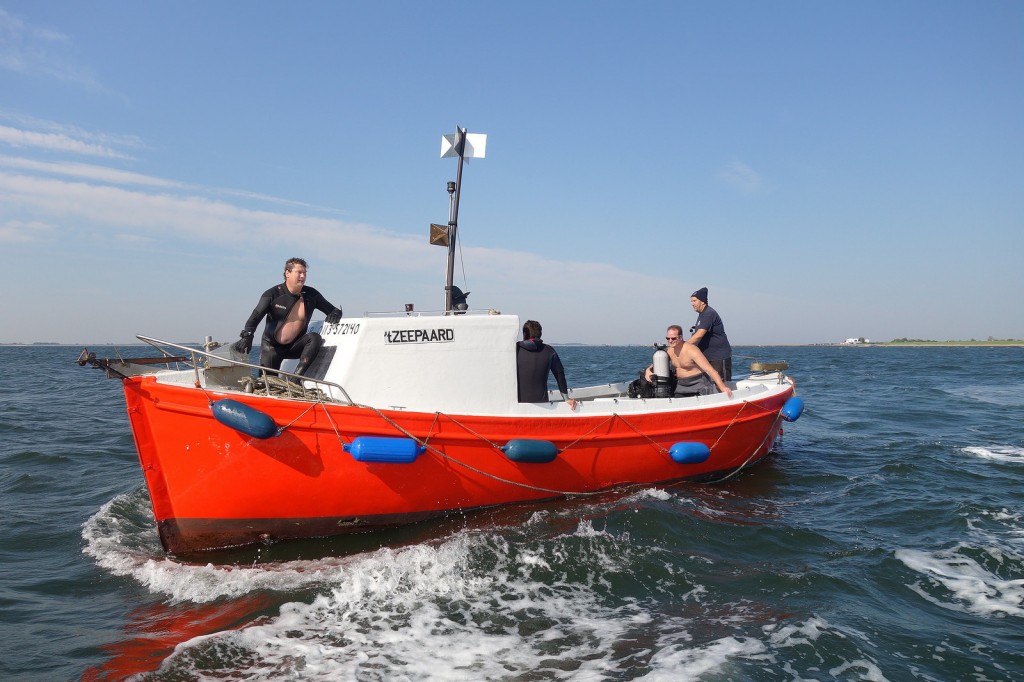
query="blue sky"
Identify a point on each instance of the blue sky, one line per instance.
(827, 169)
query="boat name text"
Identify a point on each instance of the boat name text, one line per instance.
(419, 336)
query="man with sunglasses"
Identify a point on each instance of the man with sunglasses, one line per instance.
(693, 373)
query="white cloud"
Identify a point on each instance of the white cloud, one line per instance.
(88, 172)
(22, 232)
(84, 206)
(56, 142)
(39, 51)
(743, 177)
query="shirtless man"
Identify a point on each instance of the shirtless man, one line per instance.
(693, 371)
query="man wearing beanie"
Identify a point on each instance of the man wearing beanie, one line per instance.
(709, 335)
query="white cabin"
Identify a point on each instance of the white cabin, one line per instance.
(424, 363)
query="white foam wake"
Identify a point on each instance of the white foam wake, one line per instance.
(957, 582)
(1002, 453)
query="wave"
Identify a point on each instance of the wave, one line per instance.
(955, 580)
(1002, 453)
(1005, 396)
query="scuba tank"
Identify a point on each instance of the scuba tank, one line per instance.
(662, 367)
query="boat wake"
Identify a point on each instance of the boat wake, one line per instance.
(959, 583)
(976, 576)
(547, 592)
(121, 539)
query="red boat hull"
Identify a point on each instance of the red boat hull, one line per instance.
(212, 486)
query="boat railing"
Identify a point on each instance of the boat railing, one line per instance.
(431, 313)
(208, 362)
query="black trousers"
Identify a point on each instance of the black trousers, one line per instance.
(305, 348)
(723, 367)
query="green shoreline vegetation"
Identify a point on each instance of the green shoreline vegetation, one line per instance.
(927, 342)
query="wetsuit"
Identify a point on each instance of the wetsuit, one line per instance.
(715, 344)
(533, 361)
(274, 305)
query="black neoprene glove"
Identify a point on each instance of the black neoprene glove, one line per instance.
(334, 316)
(244, 344)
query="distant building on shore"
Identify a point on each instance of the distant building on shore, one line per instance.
(856, 342)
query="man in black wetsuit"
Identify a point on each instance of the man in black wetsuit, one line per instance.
(533, 361)
(288, 308)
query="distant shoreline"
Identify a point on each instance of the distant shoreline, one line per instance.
(901, 344)
(941, 344)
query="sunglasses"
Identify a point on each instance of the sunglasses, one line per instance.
(671, 338)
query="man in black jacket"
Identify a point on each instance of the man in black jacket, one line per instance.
(288, 308)
(533, 361)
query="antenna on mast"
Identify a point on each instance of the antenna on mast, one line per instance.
(464, 145)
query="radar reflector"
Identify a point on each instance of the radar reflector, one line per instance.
(438, 234)
(474, 145)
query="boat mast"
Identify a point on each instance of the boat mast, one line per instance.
(453, 218)
(465, 146)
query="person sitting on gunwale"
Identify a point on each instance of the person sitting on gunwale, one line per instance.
(694, 374)
(288, 308)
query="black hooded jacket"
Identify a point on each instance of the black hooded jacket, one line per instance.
(534, 360)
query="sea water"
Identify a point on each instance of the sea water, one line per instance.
(884, 540)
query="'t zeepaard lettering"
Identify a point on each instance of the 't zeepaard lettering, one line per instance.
(419, 336)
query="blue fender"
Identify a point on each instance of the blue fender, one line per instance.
(688, 452)
(245, 419)
(528, 450)
(384, 450)
(792, 409)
